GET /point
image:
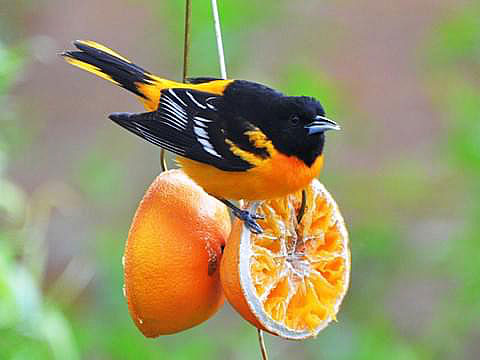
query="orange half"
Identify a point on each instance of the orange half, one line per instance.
(291, 279)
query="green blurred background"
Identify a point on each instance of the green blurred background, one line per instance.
(403, 80)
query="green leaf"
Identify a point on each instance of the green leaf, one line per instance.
(11, 61)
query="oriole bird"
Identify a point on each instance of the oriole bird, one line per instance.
(237, 139)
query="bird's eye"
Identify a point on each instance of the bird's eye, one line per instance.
(294, 120)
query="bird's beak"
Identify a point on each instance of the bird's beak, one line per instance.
(320, 124)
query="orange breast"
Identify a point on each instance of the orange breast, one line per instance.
(278, 176)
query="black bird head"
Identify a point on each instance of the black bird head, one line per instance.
(299, 127)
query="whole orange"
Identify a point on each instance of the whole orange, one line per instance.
(172, 256)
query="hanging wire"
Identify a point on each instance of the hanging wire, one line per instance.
(301, 212)
(261, 341)
(186, 62)
(186, 41)
(218, 35)
(163, 161)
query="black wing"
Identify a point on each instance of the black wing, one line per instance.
(188, 123)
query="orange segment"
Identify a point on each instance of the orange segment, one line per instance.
(293, 276)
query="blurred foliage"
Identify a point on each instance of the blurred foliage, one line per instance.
(455, 55)
(31, 325)
(412, 233)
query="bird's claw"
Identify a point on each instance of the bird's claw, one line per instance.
(249, 220)
(252, 225)
(258, 216)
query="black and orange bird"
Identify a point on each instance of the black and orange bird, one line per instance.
(237, 139)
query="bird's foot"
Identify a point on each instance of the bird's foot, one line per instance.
(247, 217)
(249, 220)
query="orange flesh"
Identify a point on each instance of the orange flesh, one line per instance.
(299, 271)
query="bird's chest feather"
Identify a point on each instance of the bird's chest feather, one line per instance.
(284, 174)
(276, 176)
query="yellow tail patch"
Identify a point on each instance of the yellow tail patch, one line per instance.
(90, 68)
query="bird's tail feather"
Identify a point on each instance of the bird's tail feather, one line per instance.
(109, 65)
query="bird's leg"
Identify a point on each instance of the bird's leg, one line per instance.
(247, 217)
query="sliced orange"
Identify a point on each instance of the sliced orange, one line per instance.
(290, 280)
(172, 256)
